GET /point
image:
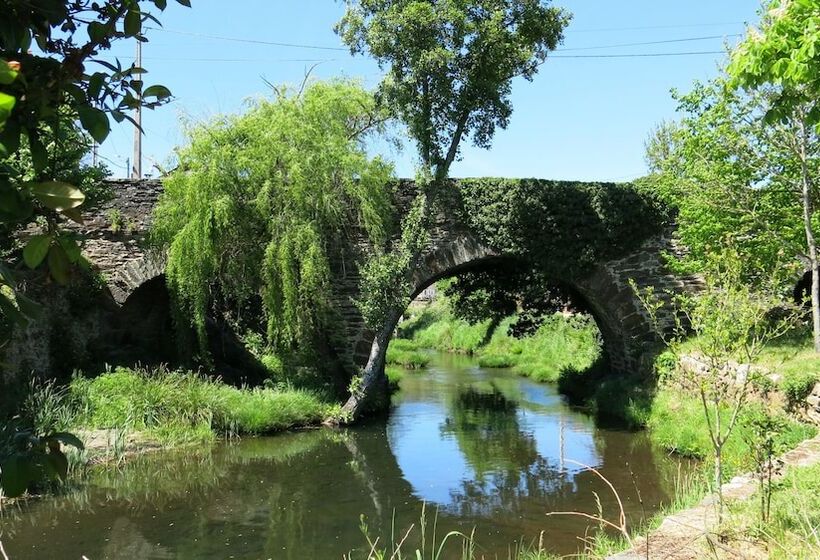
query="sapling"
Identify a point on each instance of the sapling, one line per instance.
(731, 322)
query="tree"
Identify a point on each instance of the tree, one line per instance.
(259, 204)
(732, 323)
(46, 90)
(785, 53)
(450, 66)
(735, 177)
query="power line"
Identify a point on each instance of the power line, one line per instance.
(253, 41)
(549, 57)
(327, 48)
(633, 55)
(164, 59)
(688, 39)
(683, 26)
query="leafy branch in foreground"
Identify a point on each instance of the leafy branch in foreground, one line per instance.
(62, 84)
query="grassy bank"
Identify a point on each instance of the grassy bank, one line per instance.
(560, 343)
(791, 532)
(172, 406)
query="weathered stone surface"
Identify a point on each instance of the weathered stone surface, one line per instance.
(115, 241)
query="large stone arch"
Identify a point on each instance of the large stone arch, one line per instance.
(628, 332)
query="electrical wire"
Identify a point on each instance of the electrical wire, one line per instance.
(649, 43)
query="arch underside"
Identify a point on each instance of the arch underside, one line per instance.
(628, 334)
(129, 277)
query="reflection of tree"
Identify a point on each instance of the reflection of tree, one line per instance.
(484, 421)
(485, 425)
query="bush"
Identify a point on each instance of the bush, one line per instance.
(497, 360)
(409, 359)
(797, 386)
(677, 423)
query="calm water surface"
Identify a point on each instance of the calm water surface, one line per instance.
(484, 448)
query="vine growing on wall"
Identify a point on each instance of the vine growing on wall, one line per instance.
(259, 202)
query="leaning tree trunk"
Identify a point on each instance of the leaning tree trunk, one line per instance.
(811, 242)
(373, 384)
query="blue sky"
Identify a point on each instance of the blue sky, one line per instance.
(581, 118)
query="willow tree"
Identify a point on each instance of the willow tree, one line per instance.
(450, 66)
(259, 201)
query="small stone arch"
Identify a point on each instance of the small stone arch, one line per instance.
(134, 274)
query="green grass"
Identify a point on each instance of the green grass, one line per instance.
(560, 343)
(677, 423)
(176, 406)
(434, 326)
(408, 359)
(792, 529)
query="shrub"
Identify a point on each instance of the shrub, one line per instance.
(496, 360)
(797, 386)
(410, 359)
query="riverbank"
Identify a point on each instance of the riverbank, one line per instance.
(129, 411)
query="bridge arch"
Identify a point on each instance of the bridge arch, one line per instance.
(128, 278)
(627, 331)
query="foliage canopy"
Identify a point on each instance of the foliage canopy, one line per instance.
(784, 52)
(450, 64)
(735, 182)
(260, 202)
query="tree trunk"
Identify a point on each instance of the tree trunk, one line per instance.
(373, 385)
(808, 212)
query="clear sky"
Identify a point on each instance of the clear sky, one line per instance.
(585, 116)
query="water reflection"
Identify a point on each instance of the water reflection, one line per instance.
(488, 449)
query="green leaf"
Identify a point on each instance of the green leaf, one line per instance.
(158, 91)
(160, 4)
(13, 207)
(95, 122)
(36, 250)
(72, 250)
(95, 84)
(7, 74)
(14, 476)
(133, 23)
(9, 138)
(6, 105)
(57, 195)
(67, 438)
(28, 307)
(9, 310)
(186, 3)
(7, 276)
(97, 31)
(58, 264)
(74, 215)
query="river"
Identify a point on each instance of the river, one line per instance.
(484, 449)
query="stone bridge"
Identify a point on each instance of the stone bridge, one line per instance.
(115, 238)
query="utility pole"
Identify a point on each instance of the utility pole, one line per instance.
(136, 171)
